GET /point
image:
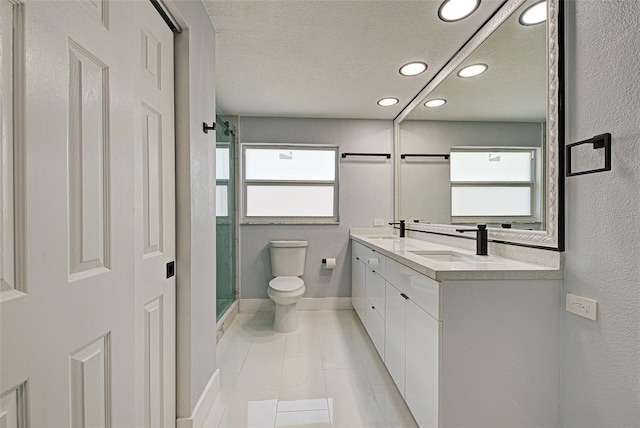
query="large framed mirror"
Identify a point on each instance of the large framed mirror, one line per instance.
(488, 148)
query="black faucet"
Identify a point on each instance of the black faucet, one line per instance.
(402, 227)
(481, 240)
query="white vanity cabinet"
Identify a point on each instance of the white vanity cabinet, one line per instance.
(368, 291)
(412, 334)
(480, 350)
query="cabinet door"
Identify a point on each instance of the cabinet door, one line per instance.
(358, 286)
(422, 360)
(374, 290)
(375, 327)
(394, 342)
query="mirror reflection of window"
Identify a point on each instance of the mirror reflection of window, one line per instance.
(493, 184)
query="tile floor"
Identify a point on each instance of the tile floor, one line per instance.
(327, 373)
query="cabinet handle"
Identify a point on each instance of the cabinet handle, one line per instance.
(405, 296)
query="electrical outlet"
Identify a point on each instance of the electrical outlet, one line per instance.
(582, 306)
(378, 222)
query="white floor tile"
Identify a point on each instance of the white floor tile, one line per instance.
(372, 363)
(251, 409)
(266, 354)
(339, 352)
(256, 378)
(325, 373)
(311, 418)
(350, 412)
(349, 383)
(394, 410)
(302, 342)
(301, 405)
(231, 359)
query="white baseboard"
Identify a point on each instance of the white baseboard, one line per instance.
(203, 406)
(324, 303)
(256, 305)
(305, 304)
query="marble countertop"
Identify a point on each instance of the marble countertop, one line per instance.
(466, 266)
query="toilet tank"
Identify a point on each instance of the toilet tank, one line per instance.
(287, 257)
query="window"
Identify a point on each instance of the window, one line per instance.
(223, 160)
(290, 183)
(494, 184)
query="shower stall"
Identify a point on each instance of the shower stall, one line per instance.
(226, 287)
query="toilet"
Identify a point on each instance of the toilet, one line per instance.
(286, 289)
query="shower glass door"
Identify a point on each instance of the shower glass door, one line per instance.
(225, 215)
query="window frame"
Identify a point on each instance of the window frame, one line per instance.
(335, 183)
(533, 183)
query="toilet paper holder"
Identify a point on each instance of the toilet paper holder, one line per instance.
(324, 262)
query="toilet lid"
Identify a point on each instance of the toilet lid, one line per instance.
(286, 283)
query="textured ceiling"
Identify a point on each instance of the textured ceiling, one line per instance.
(329, 58)
(512, 89)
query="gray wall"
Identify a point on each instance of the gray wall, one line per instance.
(195, 204)
(417, 199)
(366, 192)
(601, 360)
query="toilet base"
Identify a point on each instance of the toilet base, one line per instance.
(286, 319)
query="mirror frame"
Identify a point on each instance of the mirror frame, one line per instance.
(552, 238)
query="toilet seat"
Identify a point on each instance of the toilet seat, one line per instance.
(286, 283)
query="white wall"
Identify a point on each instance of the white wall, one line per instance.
(195, 205)
(430, 136)
(366, 192)
(601, 360)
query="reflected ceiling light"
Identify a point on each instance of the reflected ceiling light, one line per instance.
(388, 102)
(473, 70)
(413, 68)
(534, 14)
(455, 10)
(436, 102)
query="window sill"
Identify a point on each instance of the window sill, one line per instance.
(291, 223)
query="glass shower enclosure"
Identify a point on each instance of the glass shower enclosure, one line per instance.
(225, 215)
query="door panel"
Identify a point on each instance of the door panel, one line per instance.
(67, 351)
(7, 180)
(155, 219)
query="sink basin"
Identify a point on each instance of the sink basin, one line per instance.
(444, 256)
(383, 237)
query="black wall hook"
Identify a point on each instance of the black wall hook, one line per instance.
(206, 127)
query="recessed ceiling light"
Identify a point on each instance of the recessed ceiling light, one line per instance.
(436, 102)
(413, 68)
(473, 70)
(455, 10)
(534, 14)
(387, 102)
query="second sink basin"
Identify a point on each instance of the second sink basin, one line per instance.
(444, 256)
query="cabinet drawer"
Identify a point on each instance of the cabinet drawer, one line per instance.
(371, 258)
(424, 291)
(375, 291)
(358, 278)
(375, 327)
(359, 251)
(394, 335)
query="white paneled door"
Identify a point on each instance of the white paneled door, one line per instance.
(155, 219)
(79, 332)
